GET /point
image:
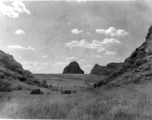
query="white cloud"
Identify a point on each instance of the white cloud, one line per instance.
(36, 63)
(109, 53)
(19, 47)
(111, 40)
(13, 10)
(19, 32)
(76, 31)
(70, 59)
(83, 43)
(101, 50)
(112, 31)
(45, 56)
(59, 63)
(98, 56)
(44, 67)
(97, 45)
(44, 64)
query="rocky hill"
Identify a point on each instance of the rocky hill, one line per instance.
(73, 68)
(105, 70)
(11, 70)
(136, 68)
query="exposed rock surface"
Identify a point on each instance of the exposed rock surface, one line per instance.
(10, 70)
(105, 70)
(73, 68)
(136, 68)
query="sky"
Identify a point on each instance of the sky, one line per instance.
(45, 36)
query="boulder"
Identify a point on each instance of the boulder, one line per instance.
(73, 68)
(36, 91)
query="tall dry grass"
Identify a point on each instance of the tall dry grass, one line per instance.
(114, 104)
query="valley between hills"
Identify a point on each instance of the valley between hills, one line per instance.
(117, 91)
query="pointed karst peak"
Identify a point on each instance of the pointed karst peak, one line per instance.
(73, 68)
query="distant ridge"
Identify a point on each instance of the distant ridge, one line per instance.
(105, 70)
(136, 68)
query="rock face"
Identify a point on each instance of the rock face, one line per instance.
(105, 70)
(10, 70)
(73, 68)
(136, 68)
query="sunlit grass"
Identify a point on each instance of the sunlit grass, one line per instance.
(113, 104)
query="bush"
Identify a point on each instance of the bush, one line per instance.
(19, 88)
(44, 81)
(66, 92)
(23, 79)
(36, 91)
(49, 86)
(5, 87)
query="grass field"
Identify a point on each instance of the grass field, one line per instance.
(70, 81)
(127, 102)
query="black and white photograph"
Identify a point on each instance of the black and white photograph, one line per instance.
(76, 59)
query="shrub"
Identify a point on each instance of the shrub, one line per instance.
(66, 92)
(19, 88)
(5, 87)
(23, 79)
(36, 91)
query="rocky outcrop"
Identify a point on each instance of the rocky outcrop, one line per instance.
(10, 70)
(73, 68)
(136, 68)
(100, 70)
(105, 70)
(114, 65)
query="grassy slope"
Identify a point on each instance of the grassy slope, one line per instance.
(127, 102)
